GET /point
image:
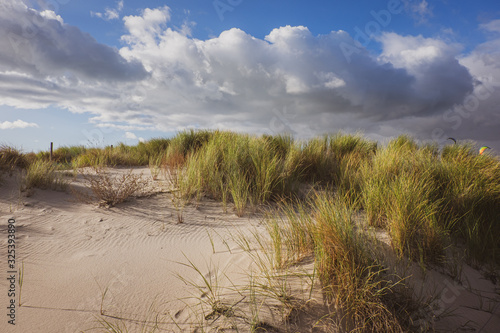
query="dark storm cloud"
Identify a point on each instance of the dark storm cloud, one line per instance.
(41, 44)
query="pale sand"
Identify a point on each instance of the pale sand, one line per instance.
(72, 252)
(79, 258)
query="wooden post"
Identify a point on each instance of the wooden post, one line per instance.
(111, 147)
(51, 149)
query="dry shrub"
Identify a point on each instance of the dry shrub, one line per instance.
(111, 189)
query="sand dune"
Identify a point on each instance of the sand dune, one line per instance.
(79, 258)
(122, 264)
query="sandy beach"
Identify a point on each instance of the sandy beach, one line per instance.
(244, 166)
(79, 258)
(129, 265)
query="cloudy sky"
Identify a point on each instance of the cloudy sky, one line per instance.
(98, 72)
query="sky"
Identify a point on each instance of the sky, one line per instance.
(95, 73)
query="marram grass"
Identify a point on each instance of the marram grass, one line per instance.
(425, 197)
(358, 288)
(43, 174)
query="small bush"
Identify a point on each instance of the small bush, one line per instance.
(111, 189)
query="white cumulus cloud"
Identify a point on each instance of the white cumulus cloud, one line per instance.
(130, 135)
(16, 124)
(419, 9)
(109, 13)
(291, 80)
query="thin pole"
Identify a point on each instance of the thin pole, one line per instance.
(51, 150)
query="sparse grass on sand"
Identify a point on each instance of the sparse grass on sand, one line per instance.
(121, 155)
(44, 174)
(11, 158)
(250, 170)
(35, 173)
(426, 199)
(423, 198)
(365, 296)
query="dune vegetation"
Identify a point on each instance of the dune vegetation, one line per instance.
(321, 196)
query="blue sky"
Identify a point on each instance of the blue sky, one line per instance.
(102, 72)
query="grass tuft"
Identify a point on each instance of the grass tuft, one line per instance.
(11, 158)
(44, 175)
